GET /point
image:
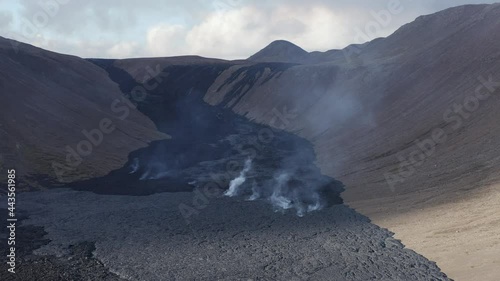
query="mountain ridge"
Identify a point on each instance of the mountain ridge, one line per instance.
(280, 51)
(362, 113)
(41, 102)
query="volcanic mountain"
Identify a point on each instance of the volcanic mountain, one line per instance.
(407, 123)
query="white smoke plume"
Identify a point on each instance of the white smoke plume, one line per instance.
(295, 184)
(237, 182)
(255, 193)
(134, 166)
(278, 197)
(301, 198)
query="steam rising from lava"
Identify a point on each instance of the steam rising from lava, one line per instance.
(238, 181)
(134, 166)
(299, 189)
(289, 192)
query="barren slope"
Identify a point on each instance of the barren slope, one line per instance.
(48, 99)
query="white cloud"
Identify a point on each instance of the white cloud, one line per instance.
(124, 50)
(323, 29)
(5, 19)
(234, 33)
(215, 28)
(239, 32)
(166, 40)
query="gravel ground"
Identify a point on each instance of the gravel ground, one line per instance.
(77, 265)
(147, 238)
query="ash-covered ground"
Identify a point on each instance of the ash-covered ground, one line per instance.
(146, 238)
(224, 199)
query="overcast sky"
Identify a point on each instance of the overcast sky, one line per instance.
(220, 28)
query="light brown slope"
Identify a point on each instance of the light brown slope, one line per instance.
(364, 112)
(47, 99)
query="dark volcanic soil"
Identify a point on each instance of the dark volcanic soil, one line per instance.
(79, 264)
(147, 238)
(195, 233)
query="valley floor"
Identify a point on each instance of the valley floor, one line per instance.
(148, 238)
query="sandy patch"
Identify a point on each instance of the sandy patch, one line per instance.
(461, 235)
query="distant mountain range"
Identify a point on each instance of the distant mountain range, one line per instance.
(413, 115)
(362, 107)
